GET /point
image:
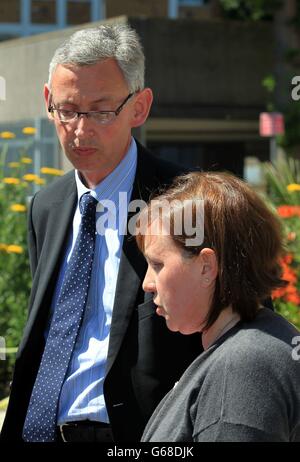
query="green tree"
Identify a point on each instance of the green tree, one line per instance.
(254, 10)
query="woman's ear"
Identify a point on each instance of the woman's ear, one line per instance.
(209, 271)
(142, 106)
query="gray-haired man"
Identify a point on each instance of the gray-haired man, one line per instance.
(123, 358)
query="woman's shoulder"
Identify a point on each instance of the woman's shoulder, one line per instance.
(253, 378)
(267, 333)
(266, 347)
(269, 346)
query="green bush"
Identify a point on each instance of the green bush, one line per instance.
(283, 181)
(16, 187)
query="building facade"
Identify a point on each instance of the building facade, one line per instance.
(206, 77)
(28, 17)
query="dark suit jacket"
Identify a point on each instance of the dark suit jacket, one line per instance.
(144, 359)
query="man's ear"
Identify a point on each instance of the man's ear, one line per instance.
(142, 106)
(46, 97)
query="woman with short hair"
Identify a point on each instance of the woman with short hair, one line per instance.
(245, 386)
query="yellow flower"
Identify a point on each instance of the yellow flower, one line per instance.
(14, 164)
(29, 130)
(14, 249)
(293, 187)
(7, 135)
(39, 180)
(29, 177)
(3, 247)
(18, 208)
(11, 180)
(52, 171)
(26, 160)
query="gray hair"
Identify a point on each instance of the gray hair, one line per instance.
(89, 46)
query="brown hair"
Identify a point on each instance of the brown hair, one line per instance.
(244, 234)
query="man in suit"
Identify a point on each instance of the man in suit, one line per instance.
(124, 358)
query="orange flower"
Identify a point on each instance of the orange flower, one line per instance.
(289, 275)
(288, 258)
(278, 293)
(293, 298)
(287, 211)
(289, 293)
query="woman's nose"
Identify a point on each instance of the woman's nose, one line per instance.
(148, 283)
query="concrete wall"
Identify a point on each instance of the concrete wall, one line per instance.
(207, 68)
(210, 69)
(24, 64)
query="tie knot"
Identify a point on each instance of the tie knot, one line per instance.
(87, 204)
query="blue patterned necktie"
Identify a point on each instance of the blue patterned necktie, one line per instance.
(40, 422)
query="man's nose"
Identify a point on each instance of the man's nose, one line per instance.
(83, 126)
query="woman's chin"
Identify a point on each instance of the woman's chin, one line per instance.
(171, 325)
(184, 330)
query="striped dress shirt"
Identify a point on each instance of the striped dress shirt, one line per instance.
(82, 396)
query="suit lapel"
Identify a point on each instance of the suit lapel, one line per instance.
(58, 222)
(60, 218)
(132, 265)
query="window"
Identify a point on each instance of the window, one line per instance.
(191, 2)
(10, 11)
(43, 11)
(78, 11)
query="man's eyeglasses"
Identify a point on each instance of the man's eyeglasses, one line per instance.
(100, 117)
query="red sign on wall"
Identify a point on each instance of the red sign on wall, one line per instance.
(271, 124)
